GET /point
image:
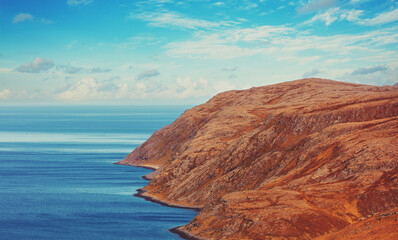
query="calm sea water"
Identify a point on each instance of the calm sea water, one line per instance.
(57, 180)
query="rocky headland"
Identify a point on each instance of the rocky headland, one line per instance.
(305, 159)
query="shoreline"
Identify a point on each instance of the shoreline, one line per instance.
(150, 167)
(141, 193)
(185, 234)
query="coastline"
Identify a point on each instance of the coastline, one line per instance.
(141, 193)
(149, 167)
(185, 234)
(263, 172)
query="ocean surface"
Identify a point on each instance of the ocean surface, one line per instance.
(58, 180)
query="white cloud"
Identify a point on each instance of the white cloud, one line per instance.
(5, 94)
(316, 5)
(91, 89)
(337, 60)
(342, 44)
(78, 2)
(382, 18)
(328, 17)
(173, 19)
(351, 15)
(336, 14)
(5, 70)
(219, 3)
(223, 86)
(302, 60)
(271, 44)
(225, 44)
(248, 6)
(207, 48)
(185, 88)
(38, 64)
(21, 17)
(261, 33)
(383, 39)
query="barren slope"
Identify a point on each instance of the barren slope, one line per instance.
(294, 160)
(380, 226)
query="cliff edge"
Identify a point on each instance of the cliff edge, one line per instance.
(297, 160)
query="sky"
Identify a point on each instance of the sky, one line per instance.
(167, 52)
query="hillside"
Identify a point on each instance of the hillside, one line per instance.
(295, 160)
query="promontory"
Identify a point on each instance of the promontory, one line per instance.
(304, 159)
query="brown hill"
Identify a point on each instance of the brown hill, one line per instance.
(295, 160)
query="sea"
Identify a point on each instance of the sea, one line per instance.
(58, 180)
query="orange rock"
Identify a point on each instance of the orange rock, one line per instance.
(295, 160)
(381, 226)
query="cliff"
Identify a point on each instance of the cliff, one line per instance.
(295, 160)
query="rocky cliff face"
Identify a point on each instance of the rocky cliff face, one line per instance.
(295, 160)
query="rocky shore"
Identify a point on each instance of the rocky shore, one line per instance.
(298, 160)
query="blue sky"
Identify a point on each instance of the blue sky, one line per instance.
(184, 52)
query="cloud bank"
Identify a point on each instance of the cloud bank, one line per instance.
(37, 65)
(369, 70)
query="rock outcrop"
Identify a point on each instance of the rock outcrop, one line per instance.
(296, 160)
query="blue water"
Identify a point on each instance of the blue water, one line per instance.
(57, 180)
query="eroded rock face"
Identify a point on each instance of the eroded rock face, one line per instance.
(295, 160)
